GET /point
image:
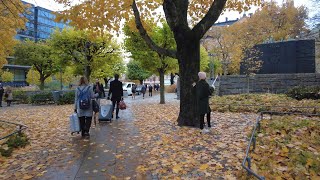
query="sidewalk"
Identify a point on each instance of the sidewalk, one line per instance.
(112, 150)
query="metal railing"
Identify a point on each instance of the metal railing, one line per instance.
(21, 127)
(246, 163)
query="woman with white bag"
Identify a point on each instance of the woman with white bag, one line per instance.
(83, 105)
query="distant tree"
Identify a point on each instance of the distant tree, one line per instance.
(136, 72)
(39, 55)
(7, 76)
(33, 77)
(83, 48)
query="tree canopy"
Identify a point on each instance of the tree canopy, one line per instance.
(10, 20)
(188, 21)
(39, 55)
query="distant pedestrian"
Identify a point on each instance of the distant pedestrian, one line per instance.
(83, 105)
(8, 95)
(1, 94)
(150, 90)
(143, 90)
(133, 90)
(202, 90)
(116, 91)
(98, 88)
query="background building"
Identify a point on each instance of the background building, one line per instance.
(39, 26)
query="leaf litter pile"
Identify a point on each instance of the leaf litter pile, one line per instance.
(50, 141)
(288, 147)
(180, 152)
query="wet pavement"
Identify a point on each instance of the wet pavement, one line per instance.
(111, 152)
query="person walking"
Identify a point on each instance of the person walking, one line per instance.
(150, 90)
(117, 94)
(1, 94)
(143, 90)
(202, 91)
(133, 90)
(98, 88)
(83, 105)
(8, 95)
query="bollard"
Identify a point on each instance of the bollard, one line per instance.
(254, 143)
(249, 163)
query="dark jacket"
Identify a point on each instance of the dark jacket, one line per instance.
(202, 91)
(1, 91)
(116, 90)
(99, 90)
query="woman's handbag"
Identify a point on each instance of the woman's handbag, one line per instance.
(95, 106)
(122, 105)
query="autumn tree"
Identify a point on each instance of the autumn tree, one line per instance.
(83, 48)
(136, 72)
(99, 14)
(272, 21)
(10, 20)
(7, 76)
(39, 55)
(150, 60)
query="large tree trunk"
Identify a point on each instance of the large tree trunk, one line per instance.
(106, 80)
(188, 53)
(141, 81)
(171, 78)
(162, 97)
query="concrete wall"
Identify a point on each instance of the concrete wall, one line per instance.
(263, 83)
(317, 56)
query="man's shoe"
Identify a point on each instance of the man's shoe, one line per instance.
(117, 117)
(204, 131)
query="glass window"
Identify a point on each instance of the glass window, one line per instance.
(19, 75)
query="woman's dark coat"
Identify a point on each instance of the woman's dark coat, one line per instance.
(202, 91)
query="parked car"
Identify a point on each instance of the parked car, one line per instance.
(127, 87)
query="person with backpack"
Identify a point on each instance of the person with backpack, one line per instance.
(150, 90)
(116, 90)
(83, 105)
(202, 92)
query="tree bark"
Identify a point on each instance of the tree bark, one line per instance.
(42, 79)
(141, 81)
(87, 72)
(189, 66)
(162, 97)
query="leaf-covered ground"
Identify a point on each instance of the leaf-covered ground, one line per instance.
(50, 142)
(174, 152)
(288, 147)
(262, 102)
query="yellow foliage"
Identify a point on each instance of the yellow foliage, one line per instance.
(33, 77)
(10, 20)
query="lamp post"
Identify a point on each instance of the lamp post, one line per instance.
(211, 64)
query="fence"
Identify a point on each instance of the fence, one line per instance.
(21, 127)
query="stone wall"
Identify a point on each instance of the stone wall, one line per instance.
(263, 83)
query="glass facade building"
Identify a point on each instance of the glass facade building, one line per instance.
(40, 24)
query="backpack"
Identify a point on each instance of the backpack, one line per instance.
(84, 98)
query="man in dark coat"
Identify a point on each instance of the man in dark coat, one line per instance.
(117, 93)
(202, 90)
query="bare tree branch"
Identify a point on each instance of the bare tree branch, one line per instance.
(146, 37)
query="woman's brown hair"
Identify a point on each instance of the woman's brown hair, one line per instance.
(83, 81)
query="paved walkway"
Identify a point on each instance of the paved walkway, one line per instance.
(110, 152)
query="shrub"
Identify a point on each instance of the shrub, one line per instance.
(67, 98)
(300, 93)
(14, 142)
(41, 98)
(21, 97)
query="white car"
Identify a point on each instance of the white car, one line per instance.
(127, 87)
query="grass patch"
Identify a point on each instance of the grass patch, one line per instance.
(262, 102)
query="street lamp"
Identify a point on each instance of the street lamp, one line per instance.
(211, 64)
